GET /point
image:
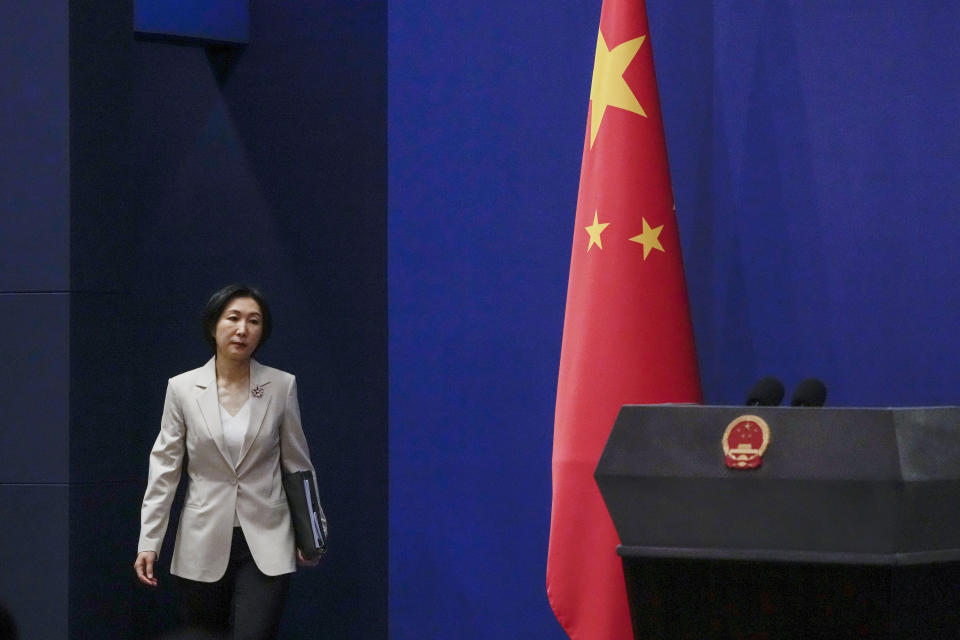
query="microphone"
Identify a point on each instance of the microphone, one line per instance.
(809, 393)
(767, 392)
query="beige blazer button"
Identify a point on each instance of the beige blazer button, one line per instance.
(233, 481)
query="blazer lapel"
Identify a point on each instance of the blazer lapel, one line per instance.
(262, 384)
(210, 406)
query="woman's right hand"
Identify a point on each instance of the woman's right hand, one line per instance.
(144, 567)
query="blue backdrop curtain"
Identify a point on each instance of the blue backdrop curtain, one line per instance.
(813, 147)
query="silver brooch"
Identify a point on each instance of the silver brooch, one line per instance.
(257, 391)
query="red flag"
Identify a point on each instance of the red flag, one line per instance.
(627, 336)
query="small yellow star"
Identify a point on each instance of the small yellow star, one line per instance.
(595, 230)
(650, 239)
(608, 87)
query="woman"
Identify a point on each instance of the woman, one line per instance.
(239, 424)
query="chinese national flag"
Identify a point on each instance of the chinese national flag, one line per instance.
(627, 335)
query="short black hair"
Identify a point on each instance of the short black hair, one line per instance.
(219, 301)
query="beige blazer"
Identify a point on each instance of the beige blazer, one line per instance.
(217, 489)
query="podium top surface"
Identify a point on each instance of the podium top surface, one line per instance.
(834, 483)
(893, 444)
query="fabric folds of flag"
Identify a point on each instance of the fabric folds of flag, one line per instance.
(627, 336)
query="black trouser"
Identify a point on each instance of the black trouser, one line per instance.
(244, 604)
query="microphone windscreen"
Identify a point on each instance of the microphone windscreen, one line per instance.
(809, 393)
(767, 392)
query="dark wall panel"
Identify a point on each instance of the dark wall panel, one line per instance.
(34, 388)
(34, 165)
(33, 554)
(34, 303)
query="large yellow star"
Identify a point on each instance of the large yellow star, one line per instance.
(609, 89)
(650, 239)
(595, 230)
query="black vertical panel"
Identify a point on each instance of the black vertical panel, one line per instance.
(192, 168)
(105, 599)
(308, 103)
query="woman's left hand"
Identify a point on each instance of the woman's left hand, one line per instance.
(303, 562)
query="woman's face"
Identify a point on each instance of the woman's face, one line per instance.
(239, 329)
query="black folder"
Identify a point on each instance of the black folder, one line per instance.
(306, 513)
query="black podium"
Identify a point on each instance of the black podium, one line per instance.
(850, 527)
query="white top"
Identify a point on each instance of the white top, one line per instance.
(234, 427)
